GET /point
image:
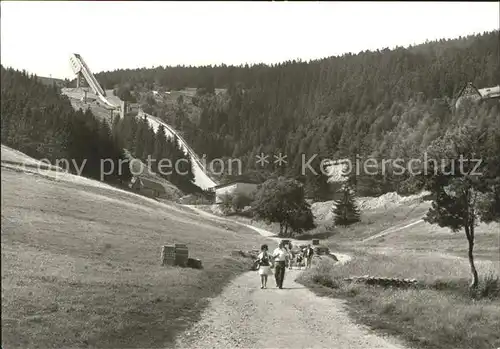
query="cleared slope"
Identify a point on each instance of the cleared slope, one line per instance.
(323, 210)
(80, 263)
(15, 156)
(51, 81)
(76, 95)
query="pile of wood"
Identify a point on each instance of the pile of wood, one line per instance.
(194, 263)
(382, 281)
(248, 254)
(178, 255)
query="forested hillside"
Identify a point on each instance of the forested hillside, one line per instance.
(387, 103)
(39, 121)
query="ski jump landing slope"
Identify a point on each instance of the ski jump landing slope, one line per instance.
(201, 179)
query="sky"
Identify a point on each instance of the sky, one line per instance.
(40, 36)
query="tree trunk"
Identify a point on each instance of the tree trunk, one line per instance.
(469, 231)
(286, 230)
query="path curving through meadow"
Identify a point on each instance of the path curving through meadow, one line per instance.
(245, 316)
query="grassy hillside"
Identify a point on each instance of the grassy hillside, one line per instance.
(80, 264)
(396, 227)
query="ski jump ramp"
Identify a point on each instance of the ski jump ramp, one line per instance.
(201, 178)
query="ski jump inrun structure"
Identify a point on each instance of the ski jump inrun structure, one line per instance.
(81, 69)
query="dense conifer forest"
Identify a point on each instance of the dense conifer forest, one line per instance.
(39, 121)
(383, 104)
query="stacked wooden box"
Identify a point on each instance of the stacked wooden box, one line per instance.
(181, 255)
(168, 255)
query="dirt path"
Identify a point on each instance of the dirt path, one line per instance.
(244, 316)
(342, 258)
(391, 230)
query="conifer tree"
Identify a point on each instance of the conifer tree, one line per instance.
(159, 151)
(345, 209)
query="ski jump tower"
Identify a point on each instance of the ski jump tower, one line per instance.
(81, 70)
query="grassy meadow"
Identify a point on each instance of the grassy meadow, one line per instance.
(81, 264)
(439, 313)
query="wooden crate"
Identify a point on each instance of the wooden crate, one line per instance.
(168, 255)
(181, 255)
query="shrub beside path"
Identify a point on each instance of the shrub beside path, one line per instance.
(244, 316)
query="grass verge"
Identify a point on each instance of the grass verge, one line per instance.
(438, 314)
